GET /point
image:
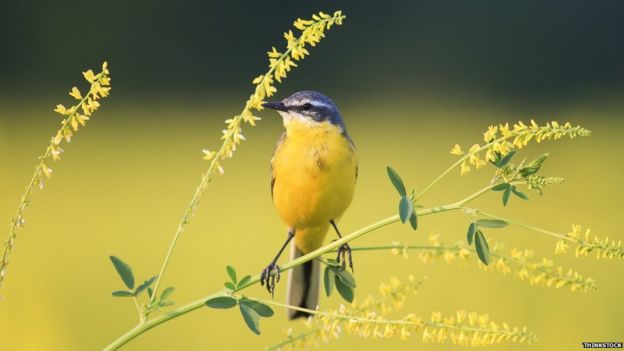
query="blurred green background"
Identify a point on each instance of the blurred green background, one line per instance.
(411, 79)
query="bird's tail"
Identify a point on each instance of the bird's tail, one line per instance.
(303, 285)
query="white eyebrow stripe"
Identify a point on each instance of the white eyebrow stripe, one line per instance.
(316, 103)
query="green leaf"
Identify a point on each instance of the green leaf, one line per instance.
(221, 302)
(166, 293)
(396, 181)
(150, 292)
(244, 280)
(232, 273)
(491, 223)
(122, 293)
(251, 318)
(472, 228)
(165, 303)
(328, 279)
(145, 285)
(332, 262)
(345, 291)
(261, 309)
(482, 247)
(414, 220)
(506, 159)
(124, 271)
(519, 194)
(230, 286)
(501, 187)
(406, 208)
(345, 277)
(506, 196)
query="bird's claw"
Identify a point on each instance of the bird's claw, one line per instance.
(344, 254)
(270, 276)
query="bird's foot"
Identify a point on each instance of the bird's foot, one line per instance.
(270, 276)
(344, 254)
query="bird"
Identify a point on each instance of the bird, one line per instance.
(314, 169)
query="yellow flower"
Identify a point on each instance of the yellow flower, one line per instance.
(456, 150)
(75, 93)
(490, 134)
(464, 168)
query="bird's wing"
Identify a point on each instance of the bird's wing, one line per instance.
(279, 142)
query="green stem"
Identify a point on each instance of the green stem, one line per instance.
(527, 226)
(151, 323)
(136, 303)
(190, 210)
(454, 165)
(17, 221)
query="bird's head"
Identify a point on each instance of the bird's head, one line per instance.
(308, 107)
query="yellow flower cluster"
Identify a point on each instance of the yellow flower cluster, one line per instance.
(472, 329)
(280, 63)
(79, 114)
(518, 262)
(502, 139)
(541, 273)
(73, 117)
(363, 318)
(368, 319)
(586, 244)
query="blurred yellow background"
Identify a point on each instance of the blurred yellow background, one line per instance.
(126, 178)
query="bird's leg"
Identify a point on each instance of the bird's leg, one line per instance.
(344, 251)
(271, 274)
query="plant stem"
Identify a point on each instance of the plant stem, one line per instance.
(527, 226)
(189, 307)
(220, 155)
(136, 303)
(18, 220)
(448, 170)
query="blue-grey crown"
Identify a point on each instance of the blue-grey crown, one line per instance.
(314, 105)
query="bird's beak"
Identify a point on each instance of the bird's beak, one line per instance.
(278, 106)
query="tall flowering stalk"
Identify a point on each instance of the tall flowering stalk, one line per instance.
(371, 318)
(502, 145)
(73, 117)
(519, 263)
(280, 63)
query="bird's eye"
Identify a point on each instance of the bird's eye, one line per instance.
(307, 106)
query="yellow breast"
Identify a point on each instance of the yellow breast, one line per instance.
(314, 171)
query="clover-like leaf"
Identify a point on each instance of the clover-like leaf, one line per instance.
(328, 280)
(482, 247)
(124, 271)
(146, 284)
(519, 194)
(232, 273)
(251, 318)
(244, 281)
(221, 302)
(491, 223)
(506, 195)
(501, 187)
(414, 220)
(123, 293)
(345, 277)
(344, 290)
(406, 208)
(261, 309)
(166, 293)
(396, 181)
(472, 228)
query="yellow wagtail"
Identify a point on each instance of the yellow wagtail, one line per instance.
(313, 174)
